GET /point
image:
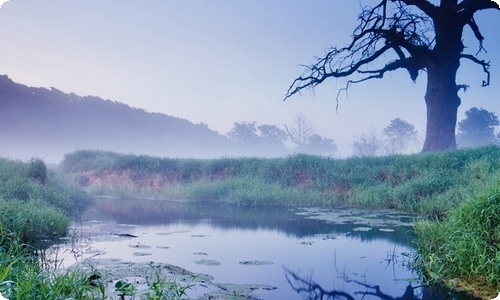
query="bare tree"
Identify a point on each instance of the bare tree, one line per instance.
(368, 145)
(416, 35)
(300, 131)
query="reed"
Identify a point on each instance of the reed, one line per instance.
(428, 184)
(464, 248)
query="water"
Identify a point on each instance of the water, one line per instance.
(293, 253)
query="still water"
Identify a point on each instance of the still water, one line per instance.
(288, 253)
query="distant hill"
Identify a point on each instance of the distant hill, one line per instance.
(49, 123)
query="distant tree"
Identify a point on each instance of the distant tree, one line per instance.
(319, 145)
(301, 133)
(419, 36)
(271, 135)
(259, 140)
(244, 133)
(477, 129)
(400, 135)
(368, 145)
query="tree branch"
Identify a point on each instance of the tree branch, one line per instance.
(424, 5)
(469, 7)
(484, 64)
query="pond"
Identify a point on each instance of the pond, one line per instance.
(237, 252)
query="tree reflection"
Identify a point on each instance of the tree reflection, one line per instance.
(312, 290)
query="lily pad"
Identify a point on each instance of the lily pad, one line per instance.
(139, 246)
(307, 243)
(255, 263)
(200, 253)
(163, 247)
(386, 230)
(207, 262)
(141, 254)
(200, 235)
(362, 229)
(164, 233)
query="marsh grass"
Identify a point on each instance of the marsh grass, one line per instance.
(464, 248)
(23, 277)
(428, 184)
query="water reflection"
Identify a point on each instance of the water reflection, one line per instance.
(220, 215)
(312, 290)
(183, 234)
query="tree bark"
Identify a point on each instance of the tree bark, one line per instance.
(441, 96)
(442, 103)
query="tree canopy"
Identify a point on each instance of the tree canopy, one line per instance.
(415, 35)
(400, 135)
(478, 128)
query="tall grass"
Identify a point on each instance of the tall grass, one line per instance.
(22, 276)
(429, 184)
(464, 248)
(34, 204)
(35, 207)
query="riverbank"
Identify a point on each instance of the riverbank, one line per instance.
(425, 184)
(36, 203)
(436, 186)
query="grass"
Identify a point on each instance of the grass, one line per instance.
(457, 193)
(463, 250)
(35, 208)
(22, 277)
(427, 184)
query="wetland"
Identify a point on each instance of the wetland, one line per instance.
(227, 251)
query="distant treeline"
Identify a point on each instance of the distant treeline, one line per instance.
(49, 123)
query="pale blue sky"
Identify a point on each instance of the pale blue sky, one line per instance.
(219, 61)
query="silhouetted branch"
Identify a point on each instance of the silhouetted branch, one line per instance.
(484, 64)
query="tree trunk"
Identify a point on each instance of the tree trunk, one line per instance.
(442, 103)
(441, 96)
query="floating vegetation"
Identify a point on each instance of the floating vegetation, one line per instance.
(200, 235)
(163, 247)
(141, 254)
(207, 262)
(139, 246)
(164, 233)
(356, 216)
(362, 229)
(255, 263)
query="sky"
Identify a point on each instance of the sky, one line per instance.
(221, 61)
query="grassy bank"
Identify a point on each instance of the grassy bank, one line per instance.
(35, 211)
(35, 205)
(458, 192)
(463, 250)
(428, 184)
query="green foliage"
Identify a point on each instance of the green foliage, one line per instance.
(22, 277)
(429, 184)
(34, 203)
(36, 170)
(466, 244)
(35, 222)
(477, 129)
